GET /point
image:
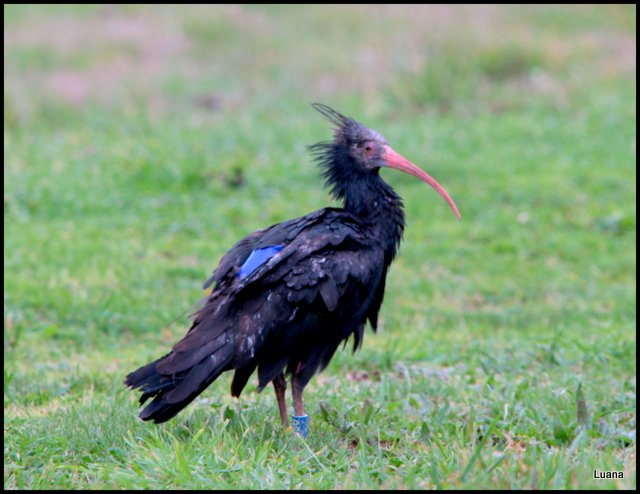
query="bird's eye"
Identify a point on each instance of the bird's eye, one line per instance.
(368, 148)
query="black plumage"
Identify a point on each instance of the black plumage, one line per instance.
(285, 298)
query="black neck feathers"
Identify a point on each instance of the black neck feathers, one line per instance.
(362, 192)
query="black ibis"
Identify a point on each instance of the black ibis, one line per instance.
(284, 298)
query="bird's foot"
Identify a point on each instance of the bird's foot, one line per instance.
(300, 424)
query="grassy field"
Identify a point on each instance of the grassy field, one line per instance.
(140, 143)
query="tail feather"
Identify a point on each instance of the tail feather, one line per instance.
(148, 380)
(181, 360)
(173, 391)
(240, 378)
(204, 372)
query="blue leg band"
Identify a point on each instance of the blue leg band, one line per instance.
(300, 424)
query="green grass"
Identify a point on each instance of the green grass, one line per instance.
(141, 143)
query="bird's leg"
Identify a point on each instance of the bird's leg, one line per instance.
(299, 420)
(296, 391)
(280, 387)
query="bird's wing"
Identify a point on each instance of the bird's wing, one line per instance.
(323, 257)
(231, 263)
(305, 300)
(322, 230)
(236, 256)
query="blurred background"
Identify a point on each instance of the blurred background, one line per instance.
(141, 142)
(247, 58)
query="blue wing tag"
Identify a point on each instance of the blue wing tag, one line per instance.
(256, 259)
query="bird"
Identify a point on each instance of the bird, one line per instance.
(285, 298)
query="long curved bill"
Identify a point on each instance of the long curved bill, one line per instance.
(394, 160)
